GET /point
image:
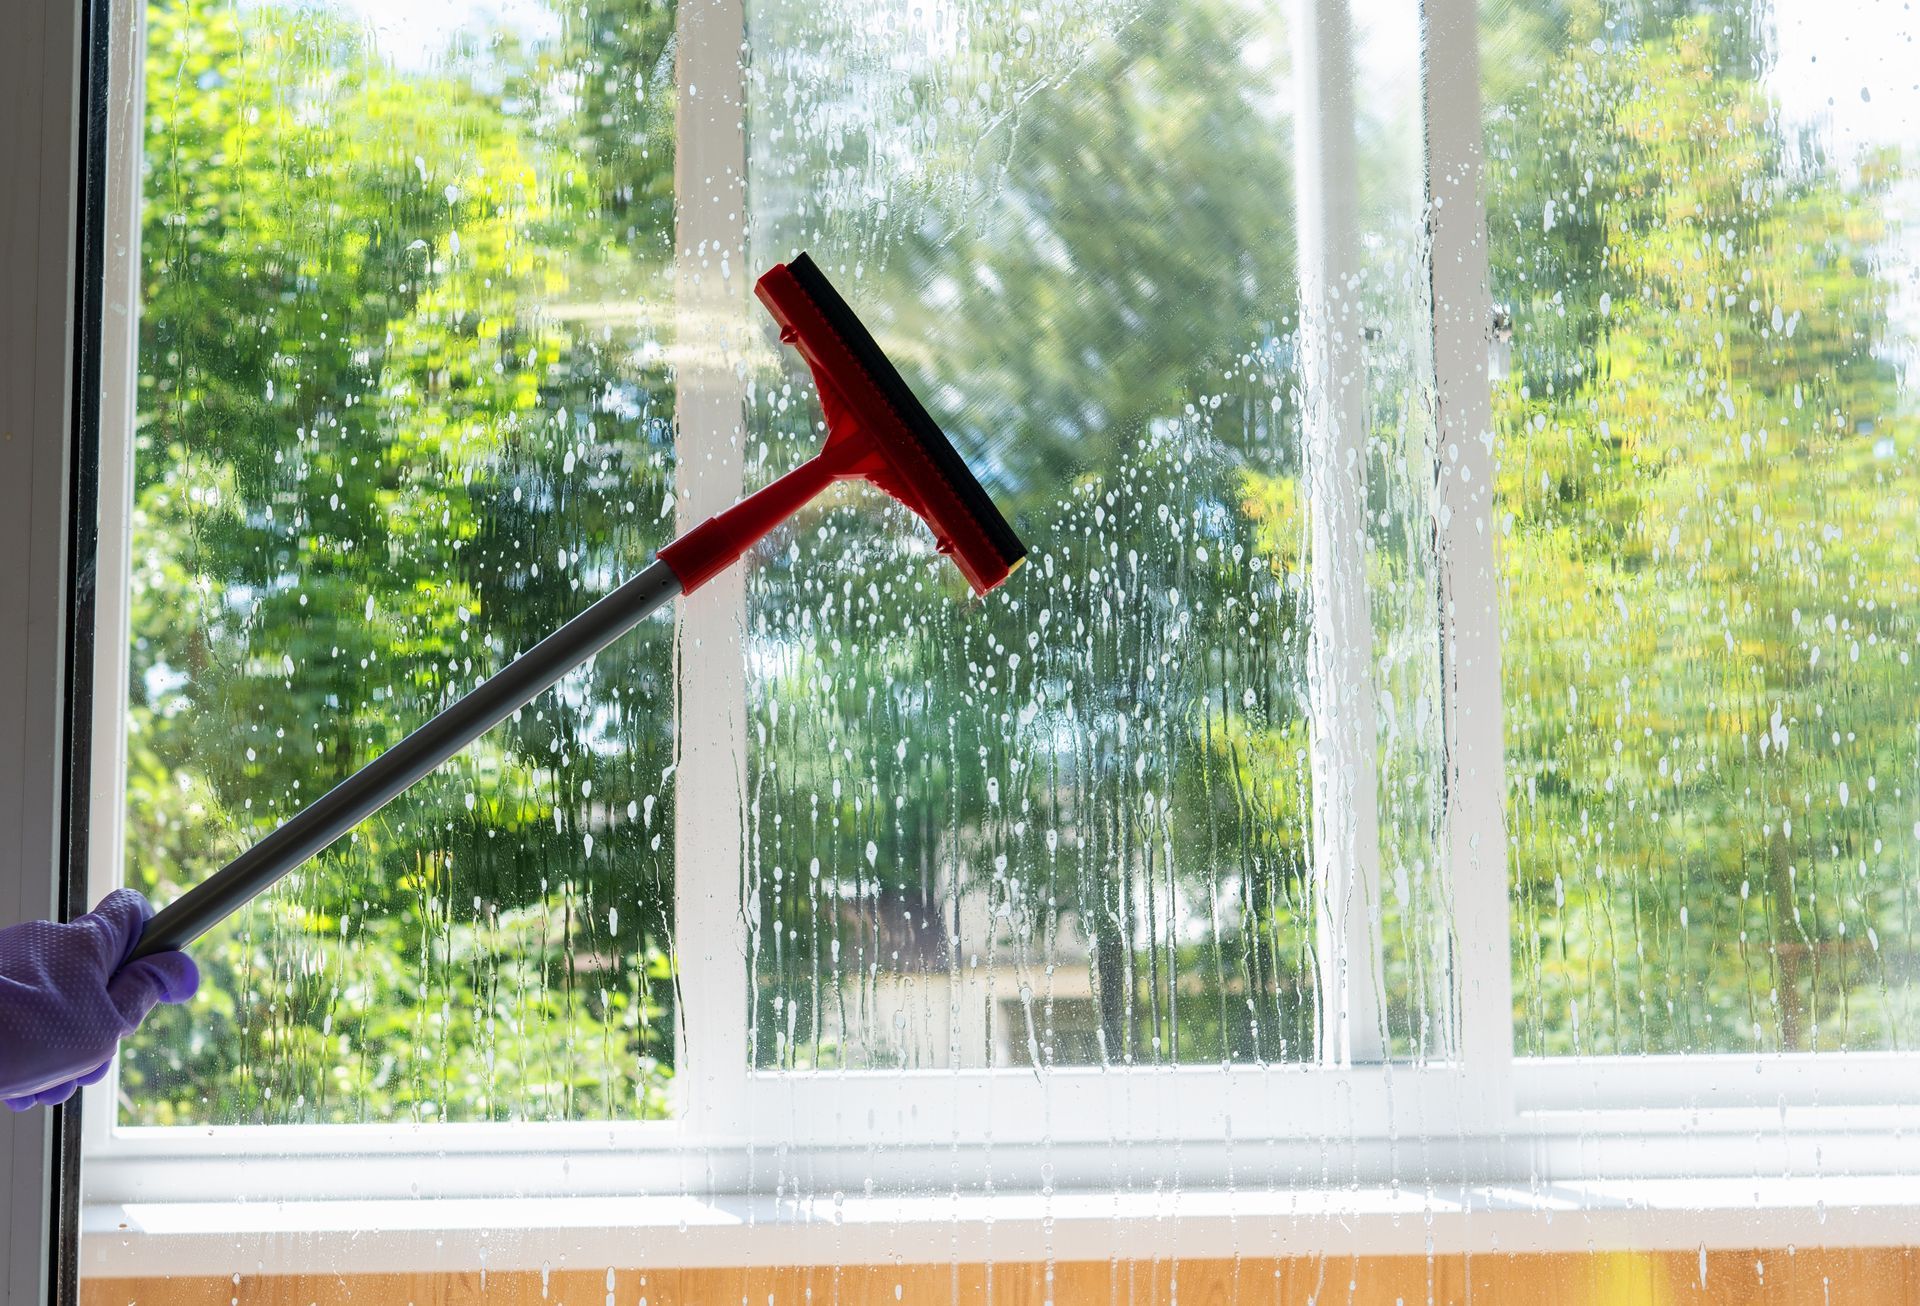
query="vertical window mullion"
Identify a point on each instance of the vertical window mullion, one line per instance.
(1340, 688)
(1467, 523)
(710, 283)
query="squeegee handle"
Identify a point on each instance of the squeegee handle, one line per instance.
(717, 543)
(385, 778)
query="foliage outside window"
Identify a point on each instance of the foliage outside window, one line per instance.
(407, 369)
(1711, 478)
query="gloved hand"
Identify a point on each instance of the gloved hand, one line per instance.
(68, 996)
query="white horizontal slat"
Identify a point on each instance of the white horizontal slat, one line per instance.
(662, 1233)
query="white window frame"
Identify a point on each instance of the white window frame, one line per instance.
(762, 1166)
(47, 236)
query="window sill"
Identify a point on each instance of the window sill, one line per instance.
(464, 1235)
(1653, 1154)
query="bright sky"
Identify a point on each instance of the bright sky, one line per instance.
(1853, 65)
(1829, 52)
(411, 33)
(1852, 69)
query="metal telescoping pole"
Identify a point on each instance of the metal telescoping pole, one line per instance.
(391, 774)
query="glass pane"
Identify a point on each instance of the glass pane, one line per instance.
(1702, 226)
(404, 407)
(1072, 823)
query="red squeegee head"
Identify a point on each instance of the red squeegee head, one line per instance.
(877, 431)
(880, 431)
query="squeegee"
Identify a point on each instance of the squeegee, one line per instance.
(877, 431)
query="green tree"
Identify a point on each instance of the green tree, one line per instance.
(380, 452)
(1710, 480)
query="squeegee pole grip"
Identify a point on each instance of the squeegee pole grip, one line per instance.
(388, 776)
(716, 543)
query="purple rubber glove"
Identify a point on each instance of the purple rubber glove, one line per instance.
(68, 996)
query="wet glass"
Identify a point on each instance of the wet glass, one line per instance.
(405, 405)
(1071, 824)
(1702, 226)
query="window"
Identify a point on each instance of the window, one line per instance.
(401, 407)
(1464, 660)
(1709, 475)
(1105, 782)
